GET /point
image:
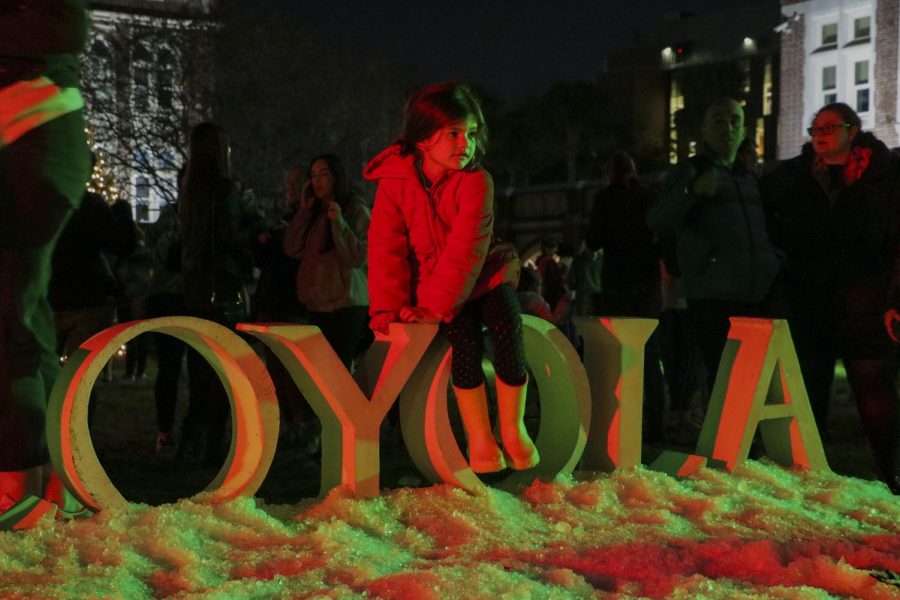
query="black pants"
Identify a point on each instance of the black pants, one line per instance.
(500, 312)
(346, 329)
(42, 177)
(169, 356)
(869, 360)
(710, 323)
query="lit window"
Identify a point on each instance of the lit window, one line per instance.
(829, 34)
(829, 78)
(862, 72)
(862, 28)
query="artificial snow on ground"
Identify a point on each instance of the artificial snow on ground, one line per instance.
(761, 532)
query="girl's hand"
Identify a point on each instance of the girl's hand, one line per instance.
(307, 196)
(892, 323)
(418, 314)
(381, 322)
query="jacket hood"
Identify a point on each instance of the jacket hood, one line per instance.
(389, 163)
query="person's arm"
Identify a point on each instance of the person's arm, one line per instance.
(593, 236)
(388, 258)
(466, 246)
(350, 236)
(667, 215)
(42, 28)
(296, 232)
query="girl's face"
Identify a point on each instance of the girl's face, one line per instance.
(450, 148)
(323, 180)
(831, 137)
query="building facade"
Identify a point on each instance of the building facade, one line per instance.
(144, 84)
(838, 51)
(676, 67)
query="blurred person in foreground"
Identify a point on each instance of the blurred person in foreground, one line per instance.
(44, 165)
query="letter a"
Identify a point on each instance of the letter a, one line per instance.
(747, 394)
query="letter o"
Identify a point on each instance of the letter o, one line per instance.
(565, 411)
(251, 393)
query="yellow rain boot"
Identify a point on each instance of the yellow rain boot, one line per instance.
(20, 505)
(518, 448)
(484, 453)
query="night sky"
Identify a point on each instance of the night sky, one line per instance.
(511, 47)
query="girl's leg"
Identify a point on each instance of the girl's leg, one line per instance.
(503, 317)
(876, 398)
(466, 339)
(464, 334)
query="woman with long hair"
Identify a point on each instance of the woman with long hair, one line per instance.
(216, 228)
(328, 236)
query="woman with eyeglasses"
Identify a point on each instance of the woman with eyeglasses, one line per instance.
(835, 214)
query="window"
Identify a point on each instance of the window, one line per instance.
(768, 89)
(141, 92)
(829, 34)
(165, 84)
(862, 28)
(861, 85)
(829, 78)
(830, 99)
(142, 188)
(862, 100)
(861, 72)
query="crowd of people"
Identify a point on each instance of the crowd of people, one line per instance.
(816, 242)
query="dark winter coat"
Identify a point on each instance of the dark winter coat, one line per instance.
(723, 249)
(82, 275)
(841, 242)
(41, 37)
(618, 226)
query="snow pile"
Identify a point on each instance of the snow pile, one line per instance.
(761, 532)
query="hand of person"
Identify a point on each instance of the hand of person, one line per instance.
(380, 323)
(307, 196)
(418, 314)
(333, 211)
(892, 323)
(706, 184)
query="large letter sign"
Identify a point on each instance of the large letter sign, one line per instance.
(595, 412)
(254, 409)
(747, 394)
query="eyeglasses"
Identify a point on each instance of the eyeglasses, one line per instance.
(825, 129)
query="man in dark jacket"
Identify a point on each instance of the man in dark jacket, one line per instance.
(44, 164)
(723, 250)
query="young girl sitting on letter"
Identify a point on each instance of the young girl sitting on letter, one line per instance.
(430, 232)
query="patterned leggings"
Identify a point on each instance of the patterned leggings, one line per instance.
(499, 310)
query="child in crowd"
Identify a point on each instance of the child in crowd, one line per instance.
(431, 231)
